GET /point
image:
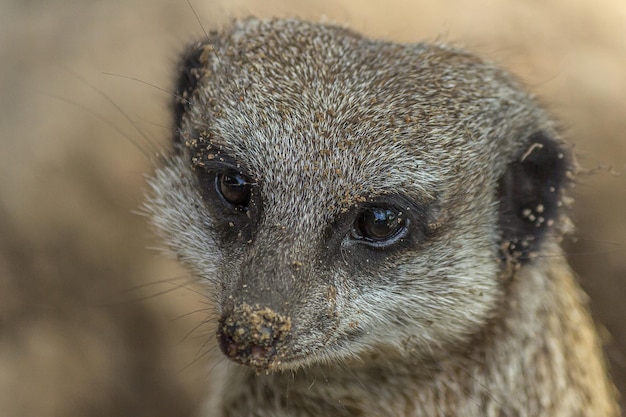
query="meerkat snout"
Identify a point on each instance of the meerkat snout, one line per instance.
(380, 220)
(253, 336)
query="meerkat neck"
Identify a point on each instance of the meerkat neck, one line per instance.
(531, 351)
(542, 349)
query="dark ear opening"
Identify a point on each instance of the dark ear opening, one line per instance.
(530, 193)
(189, 74)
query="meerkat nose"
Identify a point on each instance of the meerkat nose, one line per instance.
(253, 336)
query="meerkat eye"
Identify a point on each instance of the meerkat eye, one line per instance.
(379, 226)
(234, 188)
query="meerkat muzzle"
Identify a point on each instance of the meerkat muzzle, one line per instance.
(253, 336)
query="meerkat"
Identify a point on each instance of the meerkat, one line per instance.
(378, 227)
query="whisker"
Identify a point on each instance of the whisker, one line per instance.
(206, 34)
(159, 125)
(200, 310)
(206, 342)
(157, 282)
(194, 328)
(217, 362)
(150, 296)
(195, 360)
(126, 77)
(102, 119)
(150, 142)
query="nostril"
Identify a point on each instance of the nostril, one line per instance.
(260, 352)
(228, 345)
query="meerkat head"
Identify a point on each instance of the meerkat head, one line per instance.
(343, 196)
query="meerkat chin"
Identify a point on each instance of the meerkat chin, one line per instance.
(378, 226)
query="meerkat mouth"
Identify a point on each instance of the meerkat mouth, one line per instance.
(262, 339)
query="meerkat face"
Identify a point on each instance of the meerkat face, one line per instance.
(344, 196)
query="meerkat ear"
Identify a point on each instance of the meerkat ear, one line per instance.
(530, 194)
(189, 74)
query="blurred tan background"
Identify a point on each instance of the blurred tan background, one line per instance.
(94, 323)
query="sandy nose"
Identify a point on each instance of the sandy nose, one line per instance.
(253, 336)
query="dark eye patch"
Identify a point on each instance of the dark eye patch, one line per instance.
(230, 194)
(380, 227)
(190, 72)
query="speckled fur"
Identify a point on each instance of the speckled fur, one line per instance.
(324, 120)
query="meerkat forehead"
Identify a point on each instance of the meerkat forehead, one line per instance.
(319, 107)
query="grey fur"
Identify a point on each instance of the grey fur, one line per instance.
(324, 120)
